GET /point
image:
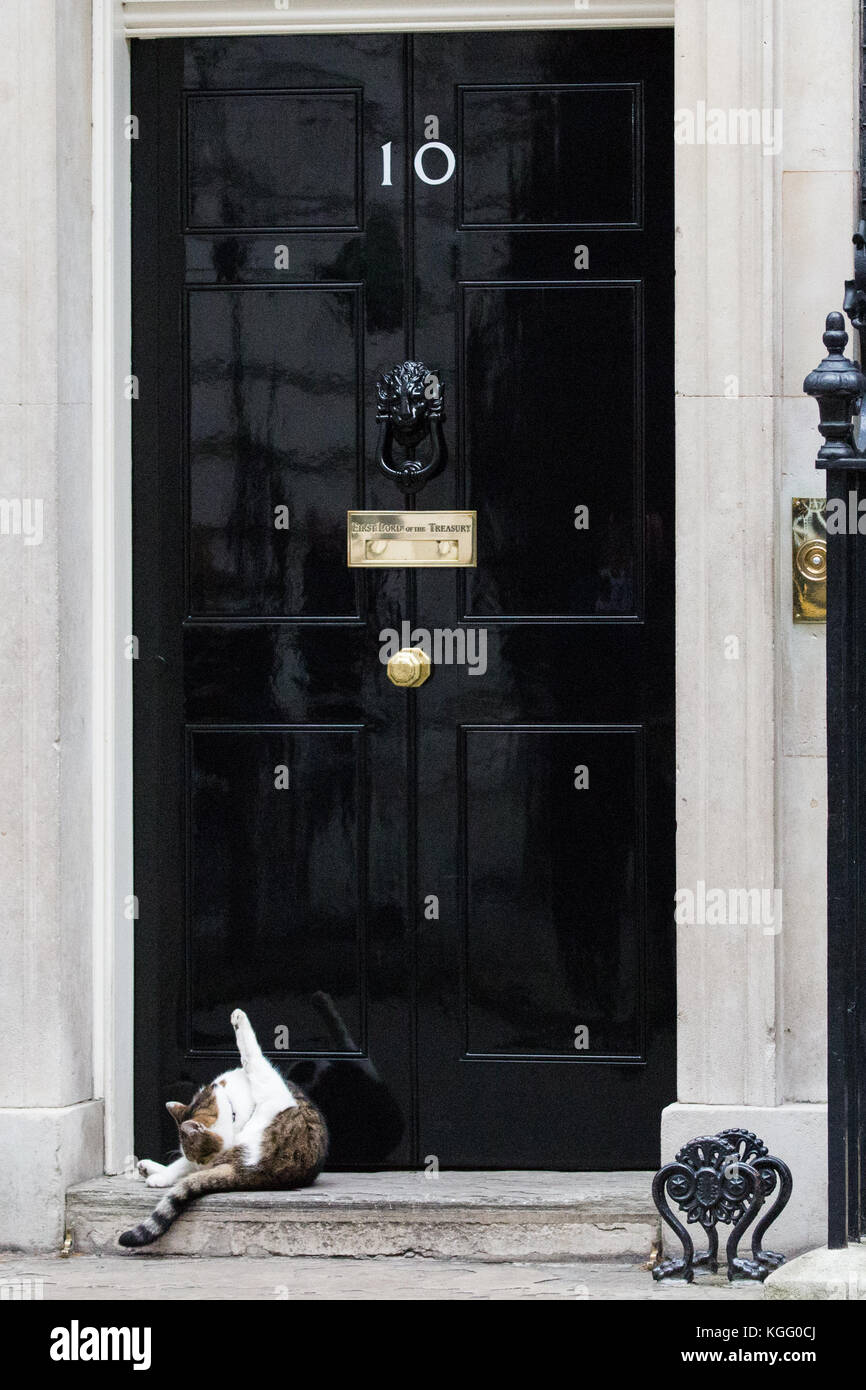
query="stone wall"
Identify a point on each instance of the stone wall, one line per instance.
(50, 1125)
(764, 247)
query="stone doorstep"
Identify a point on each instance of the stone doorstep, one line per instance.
(482, 1216)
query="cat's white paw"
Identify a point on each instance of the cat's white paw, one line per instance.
(158, 1180)
(148, 1166)
(239, 1018)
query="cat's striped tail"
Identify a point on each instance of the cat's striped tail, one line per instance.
(220, 1178)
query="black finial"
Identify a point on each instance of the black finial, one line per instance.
(835, 336)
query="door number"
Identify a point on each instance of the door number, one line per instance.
(450, 162)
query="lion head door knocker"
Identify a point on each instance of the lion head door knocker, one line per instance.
(409, 411)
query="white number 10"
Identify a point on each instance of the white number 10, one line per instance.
(450, 165)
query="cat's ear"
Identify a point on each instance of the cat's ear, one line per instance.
(175, 1109)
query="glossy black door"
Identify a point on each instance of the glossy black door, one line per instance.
(478, 874)
(545, 785)
(271, 848)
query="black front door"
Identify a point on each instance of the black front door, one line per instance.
(446, 909)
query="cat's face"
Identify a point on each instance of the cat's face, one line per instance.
(198, 1125)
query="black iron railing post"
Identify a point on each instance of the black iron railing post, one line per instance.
(843, 899)
(839, 386)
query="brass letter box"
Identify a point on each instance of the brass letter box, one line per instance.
(411, 540)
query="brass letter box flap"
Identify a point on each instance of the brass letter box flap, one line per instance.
(411, 540)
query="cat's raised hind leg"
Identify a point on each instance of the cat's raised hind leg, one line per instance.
(266, 1084)
(248, 1044)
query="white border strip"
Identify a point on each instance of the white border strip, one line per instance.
(112, 587)
(150, 19)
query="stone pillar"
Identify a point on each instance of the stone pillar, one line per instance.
(764, 245)
(50, 1123)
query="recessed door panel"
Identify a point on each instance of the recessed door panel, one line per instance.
(275, 451)
(548, 155)
(559, 535)
(248, 163)
(277, 895)
(553, 919)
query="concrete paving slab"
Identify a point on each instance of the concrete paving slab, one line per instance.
(94, 1278)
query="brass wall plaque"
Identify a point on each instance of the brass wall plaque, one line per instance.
(411, 540)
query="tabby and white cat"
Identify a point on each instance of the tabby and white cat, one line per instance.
(247, 1129)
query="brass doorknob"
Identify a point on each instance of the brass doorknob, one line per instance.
(409, 667)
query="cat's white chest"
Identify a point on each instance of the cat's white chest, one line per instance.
(236, 1101)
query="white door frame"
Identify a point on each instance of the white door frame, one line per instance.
(180, 18)
(729, 469)
(113, 929)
